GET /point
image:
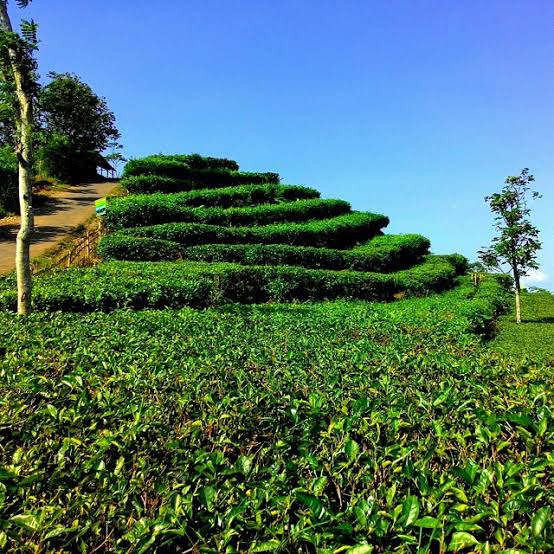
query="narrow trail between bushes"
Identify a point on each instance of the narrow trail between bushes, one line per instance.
(54, 220)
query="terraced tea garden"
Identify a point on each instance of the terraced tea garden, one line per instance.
(219, 235)
(301, 382)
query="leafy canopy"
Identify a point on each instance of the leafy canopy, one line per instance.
(517, 242)
(71, 109)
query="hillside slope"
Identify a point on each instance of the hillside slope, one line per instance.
(253, 239)
(195, 231)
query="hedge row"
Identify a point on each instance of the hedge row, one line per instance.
(383, 253)
(150, 213)
(118, 246)
(343, 231)
(145, 165)
(136, 208)
(197, 179)
(140, 285)
(172, 176)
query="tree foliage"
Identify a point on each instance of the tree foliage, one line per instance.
(23, 47)
(18, 68)
(516, 244)
(76, 124)
(70, 108)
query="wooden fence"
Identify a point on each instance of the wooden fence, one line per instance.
(82, 252)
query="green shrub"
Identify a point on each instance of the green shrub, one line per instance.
(163, 211)
(339, 232)
(383, 254)
(193, 161)
(349, 424)
(195, 179)
(122, 210)
(506, 281)
(390, 252)
(179, 176)
(139, 285)
(461, 263)
(138, 248)
(106, 288)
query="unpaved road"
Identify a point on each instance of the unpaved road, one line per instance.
(53, 221)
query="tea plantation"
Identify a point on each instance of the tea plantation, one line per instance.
(220, 236)
(261, 404)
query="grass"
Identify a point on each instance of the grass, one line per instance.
(534, 337)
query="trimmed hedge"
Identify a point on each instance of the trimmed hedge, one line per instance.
(137, 209)
(197, 179)
(339, 232)
(178, 177)
(152, 213)
(118, 246)
(383, 253)
(141, 285)
(460, 262)
(134, 207)
(123, 247)
(193, 161)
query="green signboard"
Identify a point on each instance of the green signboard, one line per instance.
(100, 206)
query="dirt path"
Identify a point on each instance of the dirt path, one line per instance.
(53, 221)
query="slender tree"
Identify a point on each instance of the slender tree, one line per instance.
(115, 157)
(515, 248)
(18, 67)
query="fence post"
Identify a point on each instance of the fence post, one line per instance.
(88, 245)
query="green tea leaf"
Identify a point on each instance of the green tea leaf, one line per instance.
(410, 510)
(244, 464)
(540, 520)
(461, 539)
(427, 522)
(351, 449)
(26, 521)
(267, 546)
(360, 549)
(312, 502)
(207, 496)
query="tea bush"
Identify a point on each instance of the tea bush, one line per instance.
(195, 179)
(122, 247)
(383, 253)
(122, 210)
(148, 164)
(139, 285)
(182, 178)
(339, 232)
(150, 213)
(335, 427)
(196, 161)
(203, 209)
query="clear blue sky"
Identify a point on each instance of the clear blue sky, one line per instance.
(413, 108)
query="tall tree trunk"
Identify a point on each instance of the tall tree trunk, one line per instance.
(518, 293)
(24, 152)
(23, 244)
